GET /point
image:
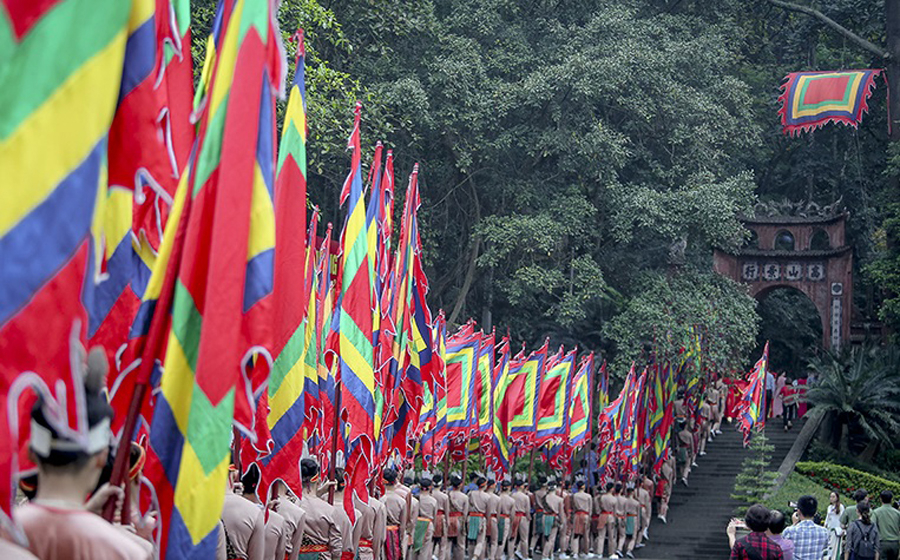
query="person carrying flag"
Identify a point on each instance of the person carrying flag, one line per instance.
(396, 512)
(423, 534)
(322, 538)
(476, 526)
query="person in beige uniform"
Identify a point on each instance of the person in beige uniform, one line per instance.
(349, 534)
(245, 527)
(490, 488)
(322, 538)
(57, 522)
(645, 497)
(476, 524)
(294, 519)
(395, 506)
(621, 500)
(273, 521)
(413, 502)
(568, 520)
(685, 448)
(540, 492)
(404, 489)
(608, 528)
(554, 511)
(705, 426)
(521, 522)
(371, 525)
(457, 514)
(664, 486)
(440, 519)
(505, 507)
(423, 534)
(583, 506)
(632, 514)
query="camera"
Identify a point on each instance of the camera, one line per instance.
(792, 505)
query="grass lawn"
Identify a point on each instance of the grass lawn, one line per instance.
(798, 485)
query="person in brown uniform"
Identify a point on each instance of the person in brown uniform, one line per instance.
(423, 534)
(371, 528)
(322, 538)
(349, 531)
(664, 486)
(440, 519)
(294, 519)
(456, 518)
(685, 447)
(476, 524)
(505, 506)
(632, 522)
(521, 521)
(608, 529)
(645, 497)
(583, 505)
(244, 524)
(553, 517)
(490, 488)
(274, 522)
(705, 426)
(621, 511)
(395, 506)
(539, 505)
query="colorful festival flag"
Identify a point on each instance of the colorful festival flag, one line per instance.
(554, 400)
(484, 388)
(579, 426)
(191, 429)
(60, 75)
(499, 458)
(811, 100)
(461, 366)
(752, 407)
(525, 378)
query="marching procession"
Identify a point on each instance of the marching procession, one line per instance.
(193, 368)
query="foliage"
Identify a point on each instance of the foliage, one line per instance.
(664, 308)
(791, 324)
(846, 480)
(886, 464)
(795, 486)
(755, 480)
(859, 386)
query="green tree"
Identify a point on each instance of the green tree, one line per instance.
(755, 480)
(858, 389)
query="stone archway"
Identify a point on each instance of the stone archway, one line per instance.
(783, 256)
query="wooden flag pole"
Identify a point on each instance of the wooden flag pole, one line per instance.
(156, 336)
(531, 466)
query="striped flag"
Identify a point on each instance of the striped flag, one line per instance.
(752, 407)
(60, 74)
(499, 458)
(230, 180)
(294, 258)
(355, 348)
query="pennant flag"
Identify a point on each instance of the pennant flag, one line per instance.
(355, 348)
(579, 425)
(669, 392)
(526, 377)
(461, 365)
(294, 323)
(811, 100)
(60, 76)
(554, 400)
(752, 408)
(201, 385)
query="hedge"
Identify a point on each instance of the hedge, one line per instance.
(845, 480)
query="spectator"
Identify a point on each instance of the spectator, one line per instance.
(790, 394)
(756, 545)
(809, 539)
(887, 519)
(770, 392)
(849, 515)
(833, 524)
(862, 536)
(777, 523)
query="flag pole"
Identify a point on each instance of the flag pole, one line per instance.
(332, 472)
(531, 465)
(155, 338)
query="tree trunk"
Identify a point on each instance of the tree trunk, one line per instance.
(892, 31)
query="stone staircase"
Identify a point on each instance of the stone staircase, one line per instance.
(699, 513)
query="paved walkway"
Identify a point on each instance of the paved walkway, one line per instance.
(698, 514)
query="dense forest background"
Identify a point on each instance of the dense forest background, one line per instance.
(580, 159)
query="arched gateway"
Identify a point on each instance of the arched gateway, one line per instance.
(800, 246)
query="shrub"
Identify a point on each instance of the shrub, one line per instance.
(845, 480)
